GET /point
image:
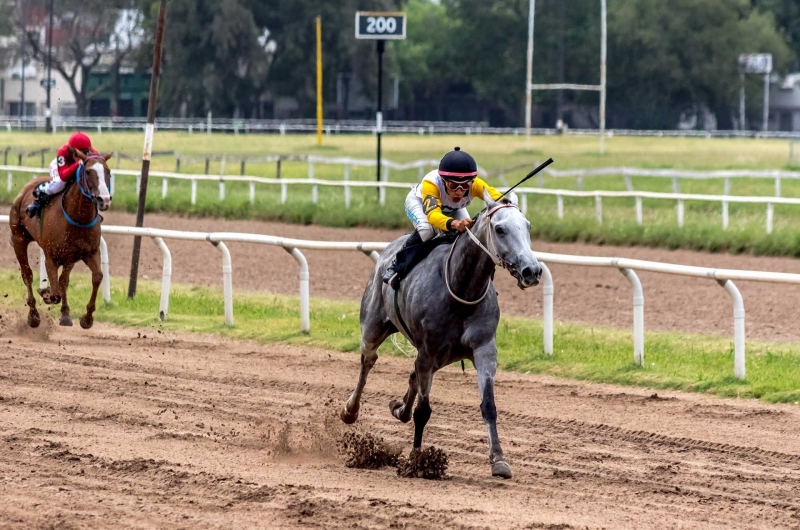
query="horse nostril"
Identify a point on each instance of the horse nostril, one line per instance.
(527, 273)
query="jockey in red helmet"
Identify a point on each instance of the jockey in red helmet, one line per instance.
(62, 168)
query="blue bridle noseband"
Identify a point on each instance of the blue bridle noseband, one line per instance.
(80, 178)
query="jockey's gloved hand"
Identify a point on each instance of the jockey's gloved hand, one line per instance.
(461, 224)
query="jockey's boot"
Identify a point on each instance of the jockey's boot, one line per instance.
(390, 276)
(39, 200)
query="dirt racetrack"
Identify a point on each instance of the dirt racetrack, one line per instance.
(596, 296)
(119, 428)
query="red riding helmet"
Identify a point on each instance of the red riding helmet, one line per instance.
(80, 141)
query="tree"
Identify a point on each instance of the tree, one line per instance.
(85, 29)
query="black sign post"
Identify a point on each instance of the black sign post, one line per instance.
(380, 27)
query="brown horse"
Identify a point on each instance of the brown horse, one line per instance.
(68, 231)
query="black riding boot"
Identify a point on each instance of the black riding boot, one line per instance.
(40, 198)
(390, 275)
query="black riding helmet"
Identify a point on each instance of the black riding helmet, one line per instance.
(458, 166)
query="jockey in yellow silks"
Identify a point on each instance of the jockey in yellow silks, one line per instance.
(439, 203)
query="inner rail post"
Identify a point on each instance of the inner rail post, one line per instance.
(105, 285)
(598, 207)
(305, 320)
(346, 187)
(638, 314)
(227, 279)
(639, 210)
(314, 188)
(166, 277)
(548, 291)
(738, 327)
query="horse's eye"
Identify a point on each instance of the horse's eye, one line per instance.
(500, 230)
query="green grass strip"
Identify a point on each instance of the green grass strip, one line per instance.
(675, 361)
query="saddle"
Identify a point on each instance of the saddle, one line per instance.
(408, 257)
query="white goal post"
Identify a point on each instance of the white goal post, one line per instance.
(529, 86)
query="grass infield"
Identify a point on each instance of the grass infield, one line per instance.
(676, 361)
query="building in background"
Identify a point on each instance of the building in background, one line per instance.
(784, 104)
(63, 102)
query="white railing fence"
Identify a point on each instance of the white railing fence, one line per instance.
(282, 127)
(382, 186)
(724, 277)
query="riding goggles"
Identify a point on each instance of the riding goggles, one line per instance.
(453, 186)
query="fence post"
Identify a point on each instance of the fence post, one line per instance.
(770, 215)
(540, 180)
(283, 193)
(382, 189)
(639, 210)
(252, 192)
(305, 321)
(42, 270)
(777, 186)
(524, 202)
(138, 183)
(10, 180)
(675, 187)
(194, 191)
(346, 187)
(105, 286)
(638, 315)
(727, 190)
(580, 182)
(314, 188)
(227, 280)
(166, 277)
(208, 162)
(560, 202)
(177, 164)
(724, 215)
(547, 309)
(221, 190)
(738, 327)
(598, 206)
(241, 167)
(278, 168)
(680, 213)
(164, 188)
(628, 181)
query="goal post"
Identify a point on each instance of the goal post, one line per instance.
(601, 88)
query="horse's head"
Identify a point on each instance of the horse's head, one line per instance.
(509, 233)
(98, 177)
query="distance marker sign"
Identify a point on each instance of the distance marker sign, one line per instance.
(380, 26)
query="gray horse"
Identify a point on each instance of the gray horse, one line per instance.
(449, 305)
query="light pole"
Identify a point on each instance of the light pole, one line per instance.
(48, 113)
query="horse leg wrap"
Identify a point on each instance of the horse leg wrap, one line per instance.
(421, 416)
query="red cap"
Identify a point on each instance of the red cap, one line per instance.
(80, 141)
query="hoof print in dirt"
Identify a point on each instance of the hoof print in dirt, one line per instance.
(430, 463)
(366, 451)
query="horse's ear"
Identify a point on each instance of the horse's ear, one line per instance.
(76, 153)
(108, 156)
(488, 199)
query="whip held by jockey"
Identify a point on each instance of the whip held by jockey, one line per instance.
(438, 204)
(62, 169)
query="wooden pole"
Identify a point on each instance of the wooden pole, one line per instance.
(152, 103)
(319, 81)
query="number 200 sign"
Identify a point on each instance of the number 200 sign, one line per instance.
(380, 26)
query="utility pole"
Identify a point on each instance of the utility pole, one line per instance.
(22, 59)
(152, 103)
(48, 112)
(379, 114)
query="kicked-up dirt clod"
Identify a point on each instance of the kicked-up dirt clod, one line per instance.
(366, 451)
(430, 463)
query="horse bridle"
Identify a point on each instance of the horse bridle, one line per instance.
(85, 192)
(493, 255)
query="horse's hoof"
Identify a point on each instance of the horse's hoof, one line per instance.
(348, 417)
(395, 407)
(33, 319)
(86, 321)
(501, 469)
(65, 320)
